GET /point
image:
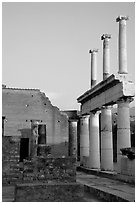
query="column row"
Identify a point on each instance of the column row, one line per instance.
(90, 138)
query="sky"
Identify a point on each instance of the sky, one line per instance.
(46, 45)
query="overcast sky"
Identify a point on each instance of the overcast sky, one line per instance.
(46, 46)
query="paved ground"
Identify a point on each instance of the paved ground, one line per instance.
(97, 189)
(107, 189)
(8, 193)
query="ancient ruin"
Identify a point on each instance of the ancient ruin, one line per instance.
(43, 146)
(114, 89)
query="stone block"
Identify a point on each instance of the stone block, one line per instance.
(43, 192)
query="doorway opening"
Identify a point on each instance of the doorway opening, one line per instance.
(24, 149)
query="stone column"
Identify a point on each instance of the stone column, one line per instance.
(106, 116)
(106, 139)
(123, 126)
(73, 138)
(106, 55)
(93, 66)
(34, 138)
(122, 44)
(94, 144)
(84, 137)
(43, 149)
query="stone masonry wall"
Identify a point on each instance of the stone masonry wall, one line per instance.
(19, 106)
(22, 105)
(49, 179)
(41, 192)
(50, 170)
(10, 160)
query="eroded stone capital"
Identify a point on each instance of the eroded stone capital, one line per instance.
(93, 51)
(84, 117)
(125, 100)
(106, 36)
(119, 18)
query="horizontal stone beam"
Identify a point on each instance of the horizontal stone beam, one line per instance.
(107, 92)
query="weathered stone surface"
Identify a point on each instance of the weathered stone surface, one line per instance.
(40, 192)
(106, 92)
(10, 160)
(19, 106)
(50, 170)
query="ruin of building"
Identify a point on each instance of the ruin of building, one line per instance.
(96, 134)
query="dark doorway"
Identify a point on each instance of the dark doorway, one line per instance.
(24, 149)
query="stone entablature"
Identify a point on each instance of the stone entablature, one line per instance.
(107, 92)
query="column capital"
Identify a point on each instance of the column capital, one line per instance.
(106, 36)
(106, 107)
(84, 116)
(93, 51)
(119, 18)
(125, 100)
(95, 112)
(72, 120)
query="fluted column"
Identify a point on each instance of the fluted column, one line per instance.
(122, 44)
(84, 137)
(94, 144)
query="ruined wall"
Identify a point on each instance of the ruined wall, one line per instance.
(10, 160)
(49, 179)
(22, 105)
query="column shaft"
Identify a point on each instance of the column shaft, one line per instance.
(106, 140)
(122, 44)
(93, 66)
(84, 137)
(94, 146)
(123, 126)
(73, 138)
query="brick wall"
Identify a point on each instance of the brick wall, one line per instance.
(50, 170)
(10, 160)
(19, 106)
(49, 179)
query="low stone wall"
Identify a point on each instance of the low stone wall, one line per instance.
(85, 162)
(127, 166)
(50, 170)
(10, 160)
(42, 192)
